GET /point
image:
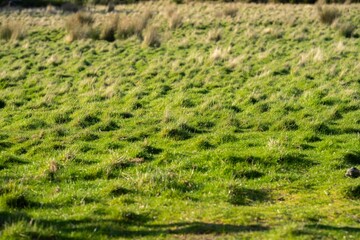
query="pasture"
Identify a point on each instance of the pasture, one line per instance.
(189, 121)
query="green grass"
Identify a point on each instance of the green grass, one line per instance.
(246, 135)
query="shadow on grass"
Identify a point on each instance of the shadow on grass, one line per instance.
(294, 162)
(333, 228)
(125, 226)
(321, 230)
(210, 228)
(239, 195)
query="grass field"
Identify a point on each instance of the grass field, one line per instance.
(228, 121)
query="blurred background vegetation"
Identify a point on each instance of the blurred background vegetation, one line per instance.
(39, 3)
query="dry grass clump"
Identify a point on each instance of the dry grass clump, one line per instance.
(219, 54)
(127, 27)
(169, 11)
(273, 33)
(12, 31)
(109, 29)
(315, 55)
(80, 26)
(50, 9)
(231, 11)
(328, 15)
(132, 25)
(152, 37)
(214, 35)
(83, 18)
(175, 20)
(234, 62)
(346, 29)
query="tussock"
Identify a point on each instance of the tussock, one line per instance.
(132, 25)
(214, 35)
(80, 26)
(12, 31)
(328, 14)
(152, 37)
(231, 11)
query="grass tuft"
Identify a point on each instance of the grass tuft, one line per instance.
(80, 26)
(204, 145)
(288, 125)
(132, 25)
(231, 11)
(175, 20)
(328, 14)
(12, 31)
(176, 133)
(214, 35)
(53, 169)
(352, 192)
(62, 118)
(147, 152)
(109, 29)
(88, 120)
(109, 126)
(322, 128)
(238, 195)
(219, 54)
(152, 37)
(346, 29)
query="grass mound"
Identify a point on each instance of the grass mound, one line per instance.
(328, 14)
(245, 196)
(352, 192)
(352, 158)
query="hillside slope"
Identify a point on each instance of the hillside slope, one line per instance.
(241, 124)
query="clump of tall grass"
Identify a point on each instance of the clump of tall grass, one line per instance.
(328, 15)
(220, 54)
(152, 37)
(346, 29)
(80, 26)
(214, 35)
(127, 27)
(132, 25)
(12, 31)
(170, 10)
(175, 20)
(231, 11)
(50, 9)
(109, 29)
